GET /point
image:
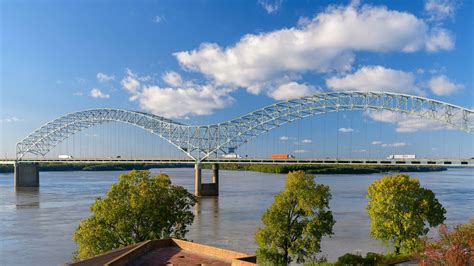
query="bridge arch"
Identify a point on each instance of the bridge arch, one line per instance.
(202, 141)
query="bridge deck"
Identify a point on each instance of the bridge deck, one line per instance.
(352, 161)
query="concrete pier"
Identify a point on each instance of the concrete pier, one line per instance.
(26, 175)
(206, 189)
(197, 179)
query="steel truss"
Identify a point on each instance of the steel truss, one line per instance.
(202, 141)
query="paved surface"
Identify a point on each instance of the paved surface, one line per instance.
(176, 256)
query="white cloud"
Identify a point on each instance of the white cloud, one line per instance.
(157, 19)
(130, 82)
(375, 78)
(394, 145)
(181, 102)
(300, 151)
(182, 99)
(440, 39)
(78, 93)
(269, 7)
(405, 123)
(346, 130)
(284, 138)
(438, 10)
(9, 120)
(376, 142)
(262, 62)
(307, 141)
(172, 78)
(96, 93)
(104, 77)
(291, 90)
(440, 85)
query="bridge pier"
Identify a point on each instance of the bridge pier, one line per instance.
(26, 175)
(206, 189)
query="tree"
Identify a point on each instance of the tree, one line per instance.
(399, 209)
(295, 223)
(136, 208)
(455, 247)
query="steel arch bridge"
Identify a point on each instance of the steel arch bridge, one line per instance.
(201, 141)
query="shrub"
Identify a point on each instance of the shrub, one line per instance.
(450, 248)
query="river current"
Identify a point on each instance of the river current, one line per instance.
(36, 225)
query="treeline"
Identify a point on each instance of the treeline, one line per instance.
(96, 167)
(328, 168)
(263, 168)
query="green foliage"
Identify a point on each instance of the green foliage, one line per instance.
(295, 223)
(400, 209)
(454, 247)
(136, 208)
(371, 259)
(328, 168)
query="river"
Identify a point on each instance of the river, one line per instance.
(37, 224)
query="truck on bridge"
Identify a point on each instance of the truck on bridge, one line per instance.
(401, 156)
(282, 156)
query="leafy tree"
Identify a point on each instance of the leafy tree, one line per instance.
(136, 208)
(400, 210)
(455, 247)
(295, 223)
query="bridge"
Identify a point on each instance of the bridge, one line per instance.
(207, 143)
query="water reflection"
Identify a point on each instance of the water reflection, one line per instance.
(27, 198)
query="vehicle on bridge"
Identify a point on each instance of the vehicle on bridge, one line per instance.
(231, 156)
(65, 156)
(282, 156)
(401, 156)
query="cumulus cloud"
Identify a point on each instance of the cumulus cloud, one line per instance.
(440, 39)
(300, 151)
(270, 6)
(326, 43)
(405, 123)
(291, 90)
(375, 78)
(179, 100)
(130, 82)
(284, 138)
(96, 93)
(394, 145)
(172, 78)
(104, 77)
(306, 141)
(157, 19)
(376, 142)
(440, 85)
(9, 120)
(438, 10)
(346, 130)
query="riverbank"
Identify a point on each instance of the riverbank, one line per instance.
(262, 168)
(329, 168)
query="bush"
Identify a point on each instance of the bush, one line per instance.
(371, 258)
(351, 259)
(450, 248)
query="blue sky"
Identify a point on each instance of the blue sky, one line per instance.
(206, 61)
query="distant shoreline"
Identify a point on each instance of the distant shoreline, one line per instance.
(263, 168)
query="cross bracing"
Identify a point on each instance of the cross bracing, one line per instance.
(202, 141)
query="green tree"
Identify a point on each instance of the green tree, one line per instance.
(295, 223)
(400, 210)
(136, 208)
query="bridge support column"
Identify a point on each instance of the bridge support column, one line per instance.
(206, 189)
(26, 175)
(197, 179)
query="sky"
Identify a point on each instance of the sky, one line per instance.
(201, 62)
